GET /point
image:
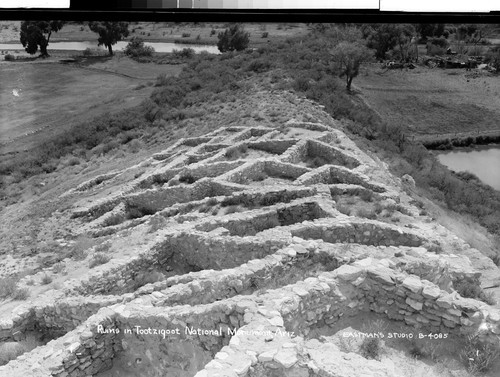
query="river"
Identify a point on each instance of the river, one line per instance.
(119, 46)
(484, 162)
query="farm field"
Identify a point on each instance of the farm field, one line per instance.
(51, 95)
(433, 101)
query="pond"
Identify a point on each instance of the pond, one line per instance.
(120, 46)
(484, 162)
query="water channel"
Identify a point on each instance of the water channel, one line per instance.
(119, 46)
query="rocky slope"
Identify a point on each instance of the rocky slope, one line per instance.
(238, 253)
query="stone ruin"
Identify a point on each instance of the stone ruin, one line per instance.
(254, 253)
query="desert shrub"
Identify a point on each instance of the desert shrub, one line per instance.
(114, 219)
(479, 357)
(46, 279)
(21, 294)
(366, 213)
(345, 209)
(421, 349)
(10, 57)
(137, 48)
(187, 178)
(212, 32)
(162, 79)
(301, 84)
(79, 250)
(366, 195)
(98, 259)
(211, 202)
(7, 287)
(185, 53)
(260, 176)
(259, 65)
(233, 38)
(370, 348)
(135, 145)
(489, 298)
(467, 289)
(157, 222)
(236, 153)
(74, 161)
(186, 35)
(88, 52)
(268, 223)
(59, 267)
(265, 34)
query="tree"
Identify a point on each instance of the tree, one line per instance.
(429, 30)
(36, 34)
(349, 56)
(109, 32)
(234, 38)
(380, 37)
(406, 39)
(385, 37)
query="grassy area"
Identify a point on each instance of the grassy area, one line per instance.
(435, 101)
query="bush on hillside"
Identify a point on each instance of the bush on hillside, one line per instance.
(137, 48)
(185, 53)
(233, 38)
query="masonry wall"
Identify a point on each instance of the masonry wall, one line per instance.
(272, 146)
(206, 251)
(331, 154)
(80, 353)
(363, 232)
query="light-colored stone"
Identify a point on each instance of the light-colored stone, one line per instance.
(413, 284)
(286, 357)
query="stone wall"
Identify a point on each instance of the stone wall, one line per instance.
(214, 169)
(283, 170)
(80, 353)
(338, 174)
(256, 198)
(115, 277)
(272, 146)
(249, 224)
(191, 337)
(419, 302)
(201, 250)
(331, 154)
(363, 232)
(195, 141)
